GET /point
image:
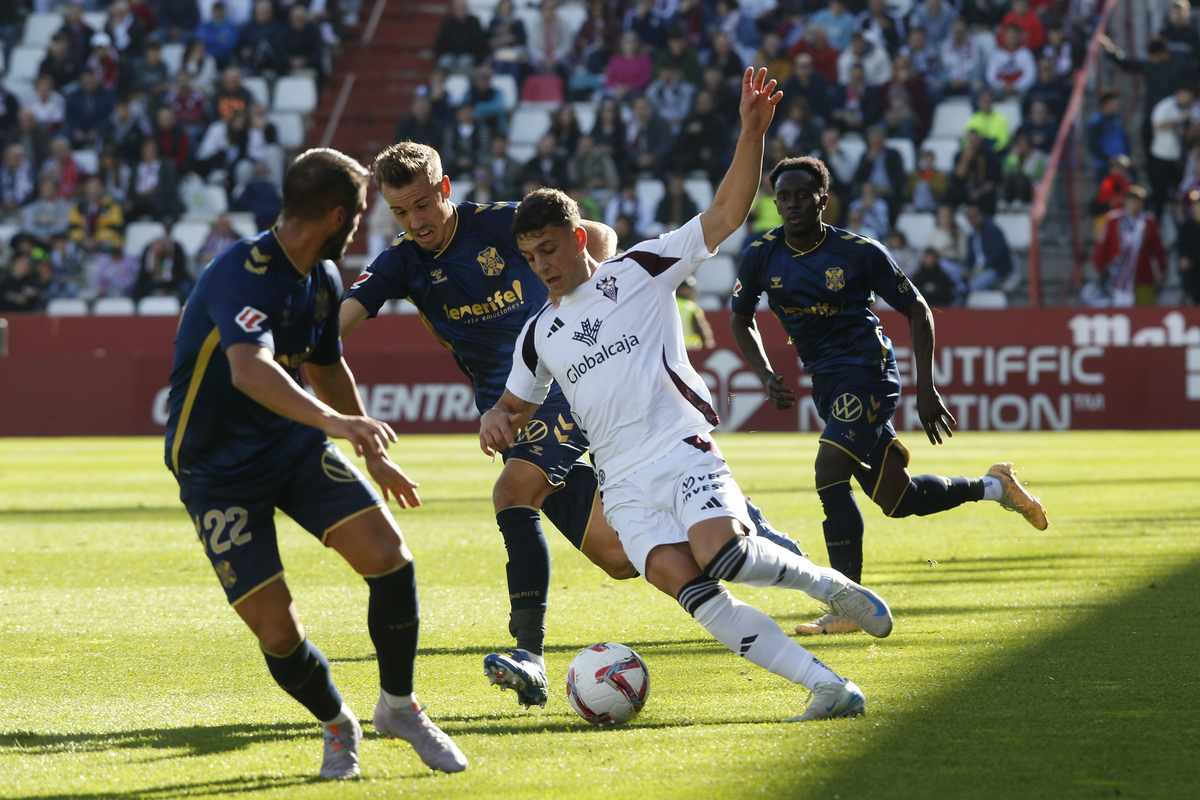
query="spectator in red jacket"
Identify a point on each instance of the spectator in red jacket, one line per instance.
(1130, 258)
(1033, 35)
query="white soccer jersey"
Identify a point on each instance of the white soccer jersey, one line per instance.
(615, 345)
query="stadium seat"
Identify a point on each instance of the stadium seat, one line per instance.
(528, 125)
(152, 306)
(650, 191)
(944, 150)
(139, 234)
(295, 93)
(1016, 228)
(460, 189)
(290, 127)
(1011, 109)
(908, 153)
(710, 302)
(915, 226)
(67, 307)
(243, 223)
(88, 161)
(24, 62)
(735, 243)
(991, 298)
(854, 148)
(716, 276)
(574, 14)
(191, 235)
(40, 29)
(507, 86)
(521, 152)
(700, 190)
(986, 40)
(96, 20)
(172, 56)
(950, 117)
(3, 62)
(457, 87)
(7, 231)
(586, 114)
(257, 86)
(113, 307)
(403, 306)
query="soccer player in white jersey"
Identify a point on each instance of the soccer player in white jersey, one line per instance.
(611, 335)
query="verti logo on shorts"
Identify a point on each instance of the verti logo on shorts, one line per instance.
(337, 468)
(694, 485)
(608, 287)
(847, 408)
(588, 332)
(250, 319)
(834, 280)
(535, 431)
(491, 262)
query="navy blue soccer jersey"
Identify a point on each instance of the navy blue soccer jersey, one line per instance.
(823, 297)
(474, 294)
(252, 293)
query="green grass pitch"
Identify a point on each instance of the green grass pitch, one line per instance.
(1060, 664)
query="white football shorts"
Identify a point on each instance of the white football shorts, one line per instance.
(658, 503)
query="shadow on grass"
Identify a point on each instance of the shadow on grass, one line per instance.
(227, 787)
(688, 645)
(1104, 707)
(197, 740)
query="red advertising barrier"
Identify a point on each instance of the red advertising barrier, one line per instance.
(1020, 369)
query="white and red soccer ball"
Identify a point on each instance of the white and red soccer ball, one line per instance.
(608, 684)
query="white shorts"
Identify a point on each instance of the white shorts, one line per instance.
(658, 503)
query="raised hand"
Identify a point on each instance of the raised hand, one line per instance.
(759, 99)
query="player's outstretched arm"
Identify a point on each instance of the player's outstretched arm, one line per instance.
(334, 385)
(749, 342)
(500, 425)
(935, 417)
(351, 316)
(601, 240)
(731, 204)
(254, 372)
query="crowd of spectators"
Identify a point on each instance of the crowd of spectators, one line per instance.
(110, 134)
(666, 76)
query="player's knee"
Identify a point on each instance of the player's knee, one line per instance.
(511, 493)
(621, 570)
(280, 640)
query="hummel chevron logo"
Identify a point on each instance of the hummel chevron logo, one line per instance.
(749, 640)
(554, 326)
(590, 330)
(712, 503)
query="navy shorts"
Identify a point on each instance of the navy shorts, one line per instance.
(857, 408)
(551, 441)
(319, 489)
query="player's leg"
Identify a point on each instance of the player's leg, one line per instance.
(577, 511)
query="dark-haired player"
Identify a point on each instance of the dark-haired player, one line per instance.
(243, 438)
(459, 265)
(821, 281)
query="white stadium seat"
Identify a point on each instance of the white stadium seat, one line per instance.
(295, 93)
(1011, 110)
(521, 152)
(243, 223)
(916, 227)
(991, 298)
(172, 56)
(736, 242)
(986, 40)
(651, 191)
(96, 20)
(950, 117)
(457, 87)
(152, 306)
(7, 231)
(507, 86)
(290, 127)
(113, 307)
(700, 190)
(88, 161)
(67, 307)
(944, 150)
(853, 147)
(907, 153)
(717, 275)
(40, 29)
(460, 189)
(24, 62)
(1016, 229)
(191, 235)
(139, 234)
(257, 86)
(585, 113)
(528, 125)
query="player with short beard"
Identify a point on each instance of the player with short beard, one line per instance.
(243, 438)
(667, 491)
(458, 264)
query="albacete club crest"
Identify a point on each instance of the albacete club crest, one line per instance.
(491, 262)
(834, 279)
(608, 287)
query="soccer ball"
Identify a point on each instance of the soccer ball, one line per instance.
(608, 684)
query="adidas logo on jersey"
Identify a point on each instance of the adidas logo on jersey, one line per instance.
(555, 327)
(592, 360)
(712, 503)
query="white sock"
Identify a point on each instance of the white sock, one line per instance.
(753, 561)
(993, 489)
(402, 703)
(756, 637)
(343, 718)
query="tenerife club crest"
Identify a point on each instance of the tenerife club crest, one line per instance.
(608, 287)
(491, 262)
(588, 332)
(834, 279)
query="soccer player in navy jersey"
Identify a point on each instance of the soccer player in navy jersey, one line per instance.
(244, 438)
(820, 282)
(459, 265)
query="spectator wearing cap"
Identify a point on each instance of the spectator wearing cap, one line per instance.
(78, 33)
(1130, 258)
(88, 108)
(259, 48)
(876, 64)
(104, 61)
(962, 61)
(837, 22)
(219, 34)
(461, 44)
(60, 63)
(1011, 69)
(1033, 35)
(1106, 131)
(935, 17)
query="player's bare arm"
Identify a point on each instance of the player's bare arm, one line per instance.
(351, 316)
(749, 343)
(500, 424)
(732, 201)
(334, 385)
(935, 417)
(254, 372)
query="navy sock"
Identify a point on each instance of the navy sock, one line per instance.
(843, 529)
(304, 674)
(394, 622)
(929, 494)
(528, 571)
